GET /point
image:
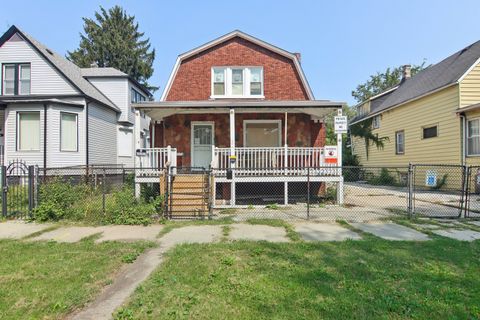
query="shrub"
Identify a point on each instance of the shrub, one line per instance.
(124, 208)
(383, 179)
(56, 197)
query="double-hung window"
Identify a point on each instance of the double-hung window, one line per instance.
(28, 131)
(237, 82)
(16, 79)
(473, 137)
(400, 142)
(376, 122)
(68, 131)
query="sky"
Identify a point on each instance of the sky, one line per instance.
(342, 43)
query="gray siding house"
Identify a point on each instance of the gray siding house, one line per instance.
(55, 114)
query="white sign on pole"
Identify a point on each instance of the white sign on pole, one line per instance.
(331, 154)
(341, 124)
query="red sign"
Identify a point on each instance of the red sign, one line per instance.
(331, 156)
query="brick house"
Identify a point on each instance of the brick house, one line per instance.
(238, 103)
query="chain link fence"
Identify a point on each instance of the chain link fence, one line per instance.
(109, 194)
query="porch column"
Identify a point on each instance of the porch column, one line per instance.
(339, 164)
(285, 159)
(232, 155)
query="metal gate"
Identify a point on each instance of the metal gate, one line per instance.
(188, 193)
(438, 191)
(17, 185)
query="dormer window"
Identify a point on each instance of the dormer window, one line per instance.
(16, 79)
(237, 82)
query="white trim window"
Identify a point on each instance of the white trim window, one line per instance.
(400, 142)
(16, 79)
(68, 131)
(237, 82)
(125, 142)
(28, 131)
(376, 122)
(473, 137)
(262, 133)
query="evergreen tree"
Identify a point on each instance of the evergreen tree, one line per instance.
(112, 39)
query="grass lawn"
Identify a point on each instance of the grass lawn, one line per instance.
(47, 280)
(368, 279)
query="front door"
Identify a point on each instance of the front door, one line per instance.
(202, 143)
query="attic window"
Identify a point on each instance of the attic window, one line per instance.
(237, 82)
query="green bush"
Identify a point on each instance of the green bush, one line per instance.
(60, 199)
(124, 208)
(383, 179)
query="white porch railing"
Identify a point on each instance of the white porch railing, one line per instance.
(273, 161)
(155, 159)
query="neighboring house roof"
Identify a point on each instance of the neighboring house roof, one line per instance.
(108, 72)
(243, 35)
(102, 72)
(68, 69)
(447, 72)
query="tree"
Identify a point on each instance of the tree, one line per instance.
(363, 130)
(112, 39)
(381, 81)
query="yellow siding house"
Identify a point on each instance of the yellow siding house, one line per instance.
(432, 117)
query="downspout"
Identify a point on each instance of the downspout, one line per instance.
(462, 138)
(86, 133)
(45, 108)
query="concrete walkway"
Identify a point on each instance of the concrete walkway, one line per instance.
(20, 229)
(251, 232)
(324, 232)
(131, 276)
(391, 231)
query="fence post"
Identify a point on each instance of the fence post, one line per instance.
(103, 190)
(3, 181)
(308, 193)
(464, 205)
(31, 177)
(410, 190)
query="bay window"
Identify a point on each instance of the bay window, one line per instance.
(237, 82)
(16, 79)
(28, 131)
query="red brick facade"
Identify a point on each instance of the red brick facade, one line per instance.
(192, 82)
(176, 130)
(193, 79)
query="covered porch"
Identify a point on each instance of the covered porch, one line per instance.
(242, 141)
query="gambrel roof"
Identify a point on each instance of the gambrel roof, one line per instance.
(243, 35)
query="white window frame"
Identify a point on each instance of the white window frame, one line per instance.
(278, 122)
(376, 122)
(18, 133)
(468, 137)
(397, 144)
(130, 130)
(61, 131)
(16, 79)
(228, 82)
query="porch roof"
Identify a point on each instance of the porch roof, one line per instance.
(160, 109)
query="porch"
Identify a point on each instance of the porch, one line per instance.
(270, 144)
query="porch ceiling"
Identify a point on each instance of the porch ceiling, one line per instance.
(162, 109)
